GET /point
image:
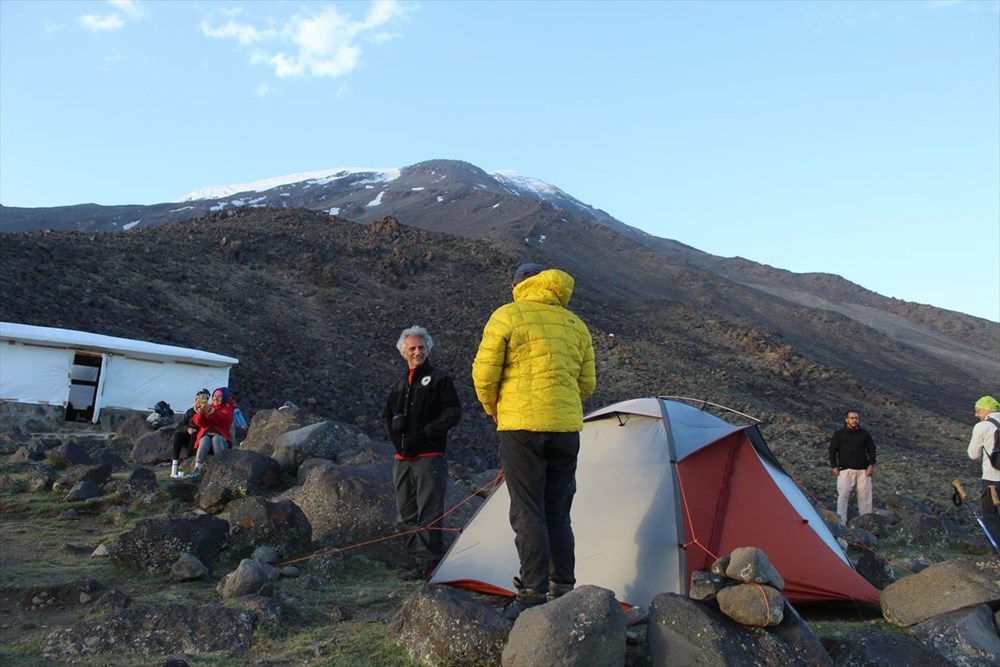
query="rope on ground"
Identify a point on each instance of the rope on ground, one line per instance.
(490, 486)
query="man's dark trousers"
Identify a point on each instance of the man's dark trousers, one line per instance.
(420, 488)
(540, 474)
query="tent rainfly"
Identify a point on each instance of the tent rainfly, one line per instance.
(86, 372)
(663, 490)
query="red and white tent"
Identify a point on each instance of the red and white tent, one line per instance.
(663, 489)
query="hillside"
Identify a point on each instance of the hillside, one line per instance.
(312, 304)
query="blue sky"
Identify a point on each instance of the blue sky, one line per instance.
(854, 138)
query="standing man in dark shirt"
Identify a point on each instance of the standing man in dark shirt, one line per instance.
(852, 457)
(421, 407)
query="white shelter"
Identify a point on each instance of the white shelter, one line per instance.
(87, 372)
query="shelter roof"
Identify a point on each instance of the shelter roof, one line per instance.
(83, 340)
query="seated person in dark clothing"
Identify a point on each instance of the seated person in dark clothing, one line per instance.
(184, 436)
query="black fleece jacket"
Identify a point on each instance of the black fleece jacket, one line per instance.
(431, 407)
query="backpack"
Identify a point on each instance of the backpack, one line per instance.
(994, 456)
(160, 416)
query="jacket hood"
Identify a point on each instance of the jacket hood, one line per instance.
(550, 286)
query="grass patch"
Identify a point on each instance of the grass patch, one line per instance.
(345, 644)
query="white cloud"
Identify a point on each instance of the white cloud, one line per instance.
(127, 7)
(97, 23)
(320, 43)
(115, 20)
(241, 32)
(265, 89)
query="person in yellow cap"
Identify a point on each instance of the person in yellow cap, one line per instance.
(980, 446)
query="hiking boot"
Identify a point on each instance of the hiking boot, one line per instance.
(526, 598)
(557, 590)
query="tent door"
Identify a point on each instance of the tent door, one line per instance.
(84, 379)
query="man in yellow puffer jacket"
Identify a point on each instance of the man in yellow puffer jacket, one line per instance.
(534, 367)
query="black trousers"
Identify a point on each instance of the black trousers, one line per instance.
(540, 473)
(182, 440)
(420, 488)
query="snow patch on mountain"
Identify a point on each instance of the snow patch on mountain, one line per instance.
(306, 178)
(516, 181)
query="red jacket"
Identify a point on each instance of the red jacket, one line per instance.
(220, 419)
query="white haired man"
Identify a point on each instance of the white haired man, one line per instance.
(422, 406)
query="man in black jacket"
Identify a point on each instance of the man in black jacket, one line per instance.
(421, 407)
(852, 457)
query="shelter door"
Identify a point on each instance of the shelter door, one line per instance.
(83, 386)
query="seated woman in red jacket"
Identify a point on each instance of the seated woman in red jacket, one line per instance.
(215, 424)
(185, 436)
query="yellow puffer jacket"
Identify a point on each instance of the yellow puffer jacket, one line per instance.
(536, 360)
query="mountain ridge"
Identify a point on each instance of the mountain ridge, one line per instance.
(327, 270)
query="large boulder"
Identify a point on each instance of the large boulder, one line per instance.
(461, 501)
(584, 627)
(759, 605)
(68, 454)
(750, 565)
(98, 474)
(966, 636)
(443, 626)
(188, 568)
(267, 425)
(154, 630)
(877, 523)
(941, 588)
(251, 577)
(327, 440)
(133, 426)
(869, 647)
(235, 473)
(875, 568)
(110, 457)
(156, 544)
(682, 631)
(40, 478)
(153, 447)
(33, 451)
(348, 506)
(923, 530)
(82, 491)
(281, 525)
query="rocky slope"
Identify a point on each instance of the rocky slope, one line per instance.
(312, 304)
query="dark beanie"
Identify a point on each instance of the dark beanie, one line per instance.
(527, 270)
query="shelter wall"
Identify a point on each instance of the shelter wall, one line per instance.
(35, 374)
(138, 384)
